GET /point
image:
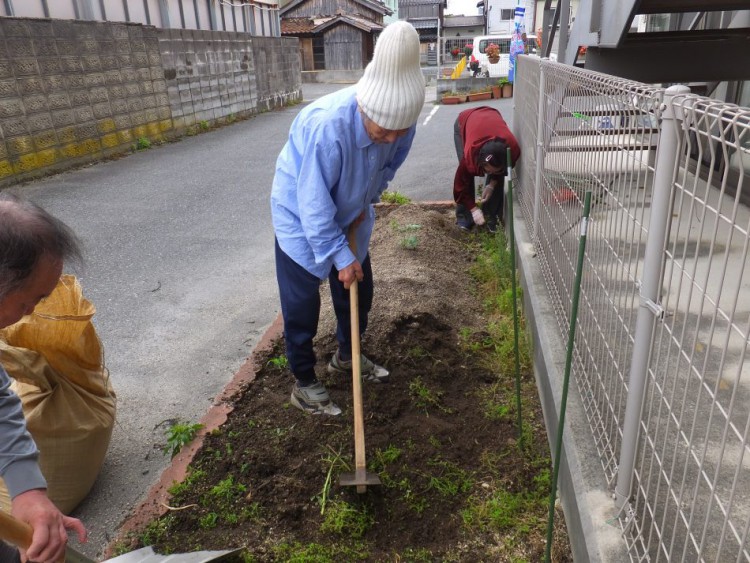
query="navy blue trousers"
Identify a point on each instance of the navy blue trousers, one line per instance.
(299, 291)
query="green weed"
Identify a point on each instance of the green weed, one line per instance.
(190, 481)
(394, 197)
(450, 479)
(142, 144)
(424, 397)
(208, 521)
(410, 242)
(179, 435)
(335, 462)
(385, 457)
(204, 124)
(156, 531)
(226, 491)
(347, 520)
(316, 553)
(280, 362)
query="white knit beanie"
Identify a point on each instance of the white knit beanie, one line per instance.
(391, 91)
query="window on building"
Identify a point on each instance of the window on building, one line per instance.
(319, 53)
(507, 14)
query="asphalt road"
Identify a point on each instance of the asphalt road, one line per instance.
(179, 263)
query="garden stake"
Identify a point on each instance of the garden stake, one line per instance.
(517, 354)
(566, 376)
(361, 477)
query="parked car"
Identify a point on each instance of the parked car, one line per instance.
(503, 41)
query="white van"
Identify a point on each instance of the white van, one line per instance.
(503, 41)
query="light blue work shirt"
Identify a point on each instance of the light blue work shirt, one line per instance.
(327, 174)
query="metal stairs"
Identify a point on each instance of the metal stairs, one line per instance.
(701, 40)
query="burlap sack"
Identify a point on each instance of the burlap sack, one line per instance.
(56, 359)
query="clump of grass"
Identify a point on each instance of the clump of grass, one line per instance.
(194, 477)
(179, 435)
(142, 144)
(204, 124)
(449, 479)
(279, 362)
(335, 462)
(296, 552)
(424, 397)
(384, 458)
(394, 197)
(347, 520)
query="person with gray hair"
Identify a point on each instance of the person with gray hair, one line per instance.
(342, 151)
(34, 245)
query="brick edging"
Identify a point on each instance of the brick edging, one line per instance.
(157, 497)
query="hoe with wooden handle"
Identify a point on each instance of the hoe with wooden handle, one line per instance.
(361, 477)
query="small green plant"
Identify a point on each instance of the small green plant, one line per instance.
(179, 435)
(279, 362)
(424, 397)
(394, 197)
(142, 144)
(334, 461)
(385, 457)
(190, 481)
(156, 530)
(347, 520)
(204, 124)
(450, 479)
(410, 242)
(208, 521)
(226, 490)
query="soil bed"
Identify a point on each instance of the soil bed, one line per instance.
(441, 434)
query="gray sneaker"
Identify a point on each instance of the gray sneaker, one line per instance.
(370, 370)
(314, 399)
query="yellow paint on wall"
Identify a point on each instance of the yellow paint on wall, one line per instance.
(106, 125)
(5, 169)
(165, 125)
(153, 130)
(25, 163)
(140, 131)
(66, 135)
(111, 140)
(125, 136)
(20, 145)
(46, 158)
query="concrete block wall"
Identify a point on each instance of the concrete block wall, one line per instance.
(73, 92)
(214, 75)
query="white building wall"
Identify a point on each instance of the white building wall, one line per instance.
(498, 12)
(259, 18)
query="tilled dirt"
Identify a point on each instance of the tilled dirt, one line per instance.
(284, 465)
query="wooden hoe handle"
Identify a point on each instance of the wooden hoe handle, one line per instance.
(14, 531)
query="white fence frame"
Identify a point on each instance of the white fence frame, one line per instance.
(662, 332)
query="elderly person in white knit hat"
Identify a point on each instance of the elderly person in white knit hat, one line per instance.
(342, 151)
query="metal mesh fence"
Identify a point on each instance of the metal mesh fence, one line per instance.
(688, 487)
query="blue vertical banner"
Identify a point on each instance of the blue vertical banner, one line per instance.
(517, 40)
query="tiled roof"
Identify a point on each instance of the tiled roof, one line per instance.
(307, 26)
(297, 26)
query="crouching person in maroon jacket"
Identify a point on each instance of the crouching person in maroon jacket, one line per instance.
(482, 138)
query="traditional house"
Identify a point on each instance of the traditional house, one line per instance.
(334, 34)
